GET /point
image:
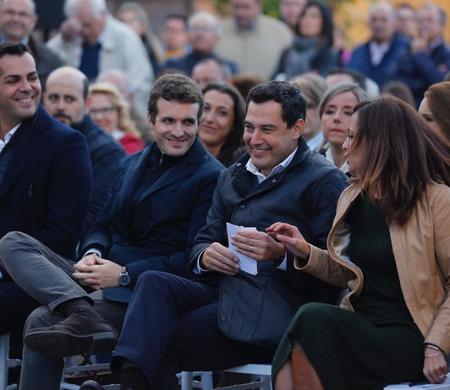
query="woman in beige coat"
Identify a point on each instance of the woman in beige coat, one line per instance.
(390, 247)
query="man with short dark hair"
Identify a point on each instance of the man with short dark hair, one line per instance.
(45, 174)
(227, 316)
(65, 99)
(158, 204)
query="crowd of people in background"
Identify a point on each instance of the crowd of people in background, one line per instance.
(128, 156)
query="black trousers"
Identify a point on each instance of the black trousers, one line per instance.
(171, 325)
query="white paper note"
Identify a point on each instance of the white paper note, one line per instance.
(246, 264)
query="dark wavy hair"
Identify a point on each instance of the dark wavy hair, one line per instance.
(403, 156)
(327, 31)
(227, 154)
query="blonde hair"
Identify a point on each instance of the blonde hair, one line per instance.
(126, 124)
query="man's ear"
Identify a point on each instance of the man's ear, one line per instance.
(298, 127)
(88, 103)
(34, 20)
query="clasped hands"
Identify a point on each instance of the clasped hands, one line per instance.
(96, 272)
(261, 246)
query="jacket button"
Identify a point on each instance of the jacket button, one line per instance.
(242, 206)
(238, 164)
(223, 318)
(274, 180)
(226, 290)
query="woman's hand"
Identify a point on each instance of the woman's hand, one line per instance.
(291, 238)
(435, 366)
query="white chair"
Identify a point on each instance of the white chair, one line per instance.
(6, 363)
(261, 374)
(404, 386)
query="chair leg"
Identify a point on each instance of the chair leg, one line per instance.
(4, 348)
(304, 375)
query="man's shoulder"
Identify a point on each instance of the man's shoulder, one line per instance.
(98, 140)
(315, 166)
(50, 126)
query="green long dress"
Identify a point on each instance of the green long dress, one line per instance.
(379, 343)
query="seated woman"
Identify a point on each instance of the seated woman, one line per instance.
(390, 246)
(109, 110)
(312, 49)
(434, 108)
(222, 123)
(335, 111)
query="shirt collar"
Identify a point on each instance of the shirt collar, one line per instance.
(278, 168)
(8, 136)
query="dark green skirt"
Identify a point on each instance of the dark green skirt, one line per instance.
(350, 352)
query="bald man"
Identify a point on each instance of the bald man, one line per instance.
(65, 99)
(378, 58)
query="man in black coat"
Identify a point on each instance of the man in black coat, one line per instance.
(45, 173)
(158, 204)
(65, 97)
(228, 316)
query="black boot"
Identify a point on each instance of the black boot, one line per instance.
(131, 377)
(82, 331)
(91, 385)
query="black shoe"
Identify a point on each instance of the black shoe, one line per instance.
(91, 385)
(83, 331)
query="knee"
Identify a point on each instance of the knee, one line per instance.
(9, 242)
(154, 281)
(315, 312)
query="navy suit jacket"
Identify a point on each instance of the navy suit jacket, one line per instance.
(45, 189)
(106, 157)
(387, 69)
(171, 211)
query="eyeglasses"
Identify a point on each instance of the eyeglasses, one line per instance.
(102, 110)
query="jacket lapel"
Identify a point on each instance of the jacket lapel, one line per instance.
(27, 141)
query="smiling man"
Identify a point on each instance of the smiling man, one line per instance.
(226, 317)
(45, 174)
(156, 208)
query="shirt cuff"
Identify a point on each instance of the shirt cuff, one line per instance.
(283, 265)
(91, 251)
(198, 270)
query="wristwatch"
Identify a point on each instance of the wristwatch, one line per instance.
(124, 277)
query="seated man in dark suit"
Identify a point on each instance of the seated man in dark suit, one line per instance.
(65, 96)
(158, 205)
(45, 174)
(229, 317)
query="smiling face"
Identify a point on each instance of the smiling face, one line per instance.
(20, 89)
(267, 138)
(175, 126)
(217, 119)
(17, 19)
(336, 116)
(356, 156)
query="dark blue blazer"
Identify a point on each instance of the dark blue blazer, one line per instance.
(106, 157)
(153, 227)
(387, 68)
(420, 70)
(46, 183)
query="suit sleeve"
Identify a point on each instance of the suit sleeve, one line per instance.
(177, 263)
(104, 173)
(68, 194)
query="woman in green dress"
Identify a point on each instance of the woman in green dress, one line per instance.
(390, 247)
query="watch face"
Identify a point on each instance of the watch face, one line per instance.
(124, 279)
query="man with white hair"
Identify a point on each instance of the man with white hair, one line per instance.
(98, 42)
(379, 57)
(17, 20)
(204, 33)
